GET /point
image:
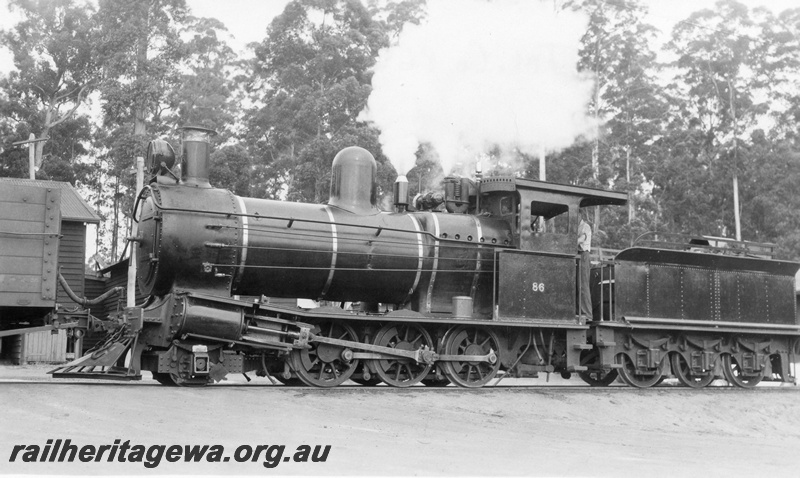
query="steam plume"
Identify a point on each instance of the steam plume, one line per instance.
(479, 73)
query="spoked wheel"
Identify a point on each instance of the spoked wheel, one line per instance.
(325, 365)
(733, 373)
(471, 340)
(684, 373)
(402, 372)
(595, 378)
(629, 375)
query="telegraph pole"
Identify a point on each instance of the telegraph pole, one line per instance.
(31, 142)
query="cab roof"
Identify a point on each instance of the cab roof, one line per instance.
(588, 196)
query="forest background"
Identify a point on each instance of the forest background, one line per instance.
(100, 79)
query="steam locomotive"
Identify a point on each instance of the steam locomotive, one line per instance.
(472, 284)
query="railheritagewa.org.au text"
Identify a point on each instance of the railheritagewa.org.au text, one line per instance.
(151, 456)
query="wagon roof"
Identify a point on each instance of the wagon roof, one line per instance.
(73, 206)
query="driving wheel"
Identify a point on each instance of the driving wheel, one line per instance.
(326, 365)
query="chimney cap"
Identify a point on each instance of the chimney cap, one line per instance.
(202, 133)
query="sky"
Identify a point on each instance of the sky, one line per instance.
(247, 20)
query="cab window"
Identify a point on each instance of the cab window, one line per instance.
(549, 217)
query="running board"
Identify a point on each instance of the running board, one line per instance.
(100, 364)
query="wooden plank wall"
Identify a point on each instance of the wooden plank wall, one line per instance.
(46, 347)
(27, 215)
(71, 257)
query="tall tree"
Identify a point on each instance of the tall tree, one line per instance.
(55, 67)
(203, 96)
(141, 49)
(784, 57)
(723, 69)
(629, 108)
(311, 78)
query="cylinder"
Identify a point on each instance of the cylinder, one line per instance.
(209, 318)
(462, 307)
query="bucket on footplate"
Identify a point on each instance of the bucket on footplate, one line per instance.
(462, 307)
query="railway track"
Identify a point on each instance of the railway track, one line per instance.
(577, 388)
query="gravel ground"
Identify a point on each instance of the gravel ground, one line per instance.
(523, 427)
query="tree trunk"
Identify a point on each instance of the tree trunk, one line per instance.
(140, 110)
(48, 120)
(115, 228)
(630, 198)
(732, 98)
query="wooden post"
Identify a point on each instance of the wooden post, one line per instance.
(131, 291)
(31, 157)
(542, 164)
(737, 220)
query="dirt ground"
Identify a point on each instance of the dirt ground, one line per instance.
(548, 429)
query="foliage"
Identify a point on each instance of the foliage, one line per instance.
(55, 71)
(730, 108)
(311, 78)
(629, 107)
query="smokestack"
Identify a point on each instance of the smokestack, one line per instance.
(196, 152)
(400, 193)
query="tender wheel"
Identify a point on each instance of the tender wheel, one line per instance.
(629, 375)
(595, 378)
(733, 373)
(402, 372)
(323, 365)
(469, 340)
(684, 374)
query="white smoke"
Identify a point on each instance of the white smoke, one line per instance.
(480, 73)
